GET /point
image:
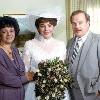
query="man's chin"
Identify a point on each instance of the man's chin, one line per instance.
(79, 33)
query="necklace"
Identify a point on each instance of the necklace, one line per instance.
(8, 51)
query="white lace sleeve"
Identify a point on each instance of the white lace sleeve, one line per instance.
(27, 56)
(63, 51)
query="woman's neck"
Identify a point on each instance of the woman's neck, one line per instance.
(7, 48)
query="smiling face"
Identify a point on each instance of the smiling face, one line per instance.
(79, 24)
(46, 29)
(7, 35)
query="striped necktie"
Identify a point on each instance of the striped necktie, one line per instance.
(75, 50)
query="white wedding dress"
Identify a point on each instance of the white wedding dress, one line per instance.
(35, 51)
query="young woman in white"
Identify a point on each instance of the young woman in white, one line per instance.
(42, 47)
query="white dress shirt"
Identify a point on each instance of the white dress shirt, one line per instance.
(81, 40)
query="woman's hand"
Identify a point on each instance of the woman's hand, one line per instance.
(29, 75)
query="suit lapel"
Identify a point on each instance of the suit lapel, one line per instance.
(70, 50)
(85, 49)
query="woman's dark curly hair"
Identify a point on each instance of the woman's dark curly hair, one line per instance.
(52, 21)
(7, 21)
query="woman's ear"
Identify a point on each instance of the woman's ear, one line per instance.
(38, 30)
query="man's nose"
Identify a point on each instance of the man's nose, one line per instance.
(77, 25)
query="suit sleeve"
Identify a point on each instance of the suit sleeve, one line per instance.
(98, 55)
(96, 84)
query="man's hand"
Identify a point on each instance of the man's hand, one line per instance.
(98, 93)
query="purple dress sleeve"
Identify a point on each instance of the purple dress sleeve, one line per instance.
(12, 73)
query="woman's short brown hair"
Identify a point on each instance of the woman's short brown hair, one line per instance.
(52, 21)
(7, 21)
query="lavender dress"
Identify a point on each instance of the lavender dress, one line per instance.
(12, 76)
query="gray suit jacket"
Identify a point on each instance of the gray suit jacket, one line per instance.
(87, 68)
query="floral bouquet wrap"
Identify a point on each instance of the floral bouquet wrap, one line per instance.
(52, 79)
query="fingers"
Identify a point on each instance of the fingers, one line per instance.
(98, 93)
(29, 75)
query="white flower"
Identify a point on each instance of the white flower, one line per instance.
(61, 80)
(36, 70)
(55, 80)
(65, 67)
(59, 76)
(43, 85)
(39, 97)
(49, 69)
(39, 74)
(61, 86)
(55, 89)
(53, 95)
(65, 80)
(44, 81)
(59, 68)
(47, 97)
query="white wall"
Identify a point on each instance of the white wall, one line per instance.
(26, 6)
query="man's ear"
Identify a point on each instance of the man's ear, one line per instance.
(88, 22)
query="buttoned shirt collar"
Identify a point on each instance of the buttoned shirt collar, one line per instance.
(82, 39)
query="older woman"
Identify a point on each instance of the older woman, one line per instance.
(42, 47)
(12, 74)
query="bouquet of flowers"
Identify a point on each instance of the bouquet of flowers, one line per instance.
(52, 79)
